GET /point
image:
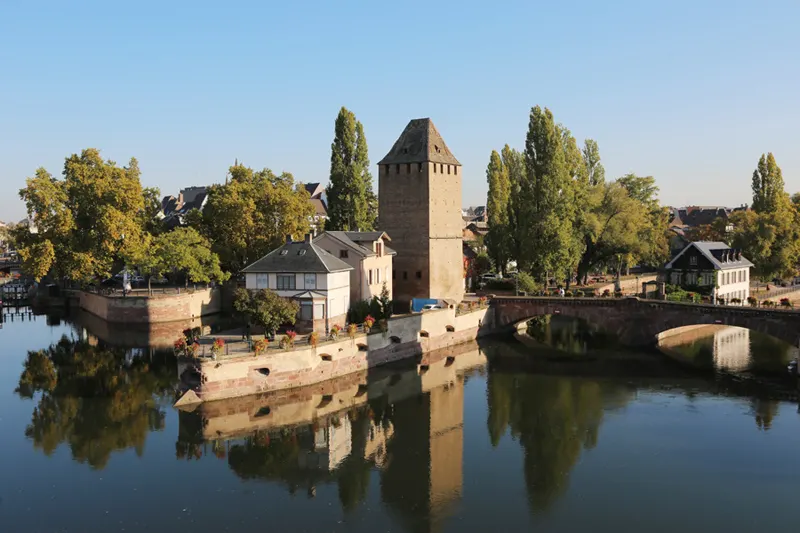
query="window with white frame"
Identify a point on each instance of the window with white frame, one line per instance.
(262, 281)
(310, 281)
(286, 282)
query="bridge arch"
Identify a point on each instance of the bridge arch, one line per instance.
(639, 322)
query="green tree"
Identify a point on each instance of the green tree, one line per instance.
(514, 161)
(251, 215)
(184, 250)
(768, 193)
(595, 172)
(497, 240)
(91, 219)
(352, 206)
(546, 206)
(265, 308)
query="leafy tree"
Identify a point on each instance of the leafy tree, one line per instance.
(768, 193)
(265, 308)
(546, 206)
(151, 222)
(497, 240)
(514, 162)
(184, 250)
(91, 220)
(595, 172)
(482, 264)
(526, 283)
(251, 215)
(709, 232)
(352, 206)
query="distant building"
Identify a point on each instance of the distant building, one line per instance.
(474, 231)
(316, 192)
(174, 210)
(369, 255)
(305, 272)
(712, 264)
(420, 207)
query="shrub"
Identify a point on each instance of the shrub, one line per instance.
(568, 294)
(500, 285)
(606, 293)
(368, 323)
(736, 300)
(352, 329)
(589, 293)
(260, 346)
(617, 294)
(526, 283)
(383, 325)
(753, 301)
(335, 330)
(217, 347)
(179, 347)
(785, 302)
(193, 350)
(768, 303)
(287, 342)
(313, 339)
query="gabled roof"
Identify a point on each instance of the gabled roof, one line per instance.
(315, 190)
(420, 142)
(320, 209)
(721, 256)
(354, 240)
(298, 257)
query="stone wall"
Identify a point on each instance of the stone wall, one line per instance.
(151, 309)
(407, 336)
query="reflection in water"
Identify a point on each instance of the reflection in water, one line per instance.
(554, 419)
(729, 349)
(568, 334)
(96, 400)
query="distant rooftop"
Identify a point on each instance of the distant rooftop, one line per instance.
(420, 142)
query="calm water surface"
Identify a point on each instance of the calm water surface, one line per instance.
(92, 443)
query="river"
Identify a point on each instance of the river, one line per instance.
(476, 442)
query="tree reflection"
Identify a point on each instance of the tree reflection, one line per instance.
(554, 419)
(568, 334)
(92, 400)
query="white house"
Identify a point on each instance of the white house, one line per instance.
(305, 272)
(369, 255)
(715, 264)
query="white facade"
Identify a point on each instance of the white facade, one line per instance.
(333, 287)
(733, 283)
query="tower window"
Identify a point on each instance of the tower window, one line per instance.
(434, 168)
(405, 275)
(408, 168)
(394, 274)
(455, 169)
(420, 167)
(419, 274)
(441, 168)
(448, 169)
(397, 168)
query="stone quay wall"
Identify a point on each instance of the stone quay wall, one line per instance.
(152, 309)
(407, 336)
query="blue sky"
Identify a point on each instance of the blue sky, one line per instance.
(691, 92)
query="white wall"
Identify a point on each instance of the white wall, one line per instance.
(335, 285)
(734, 289)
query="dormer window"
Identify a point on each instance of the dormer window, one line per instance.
(379, 248)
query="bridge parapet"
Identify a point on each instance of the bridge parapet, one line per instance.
(639, 322)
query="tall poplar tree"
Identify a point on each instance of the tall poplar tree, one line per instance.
(497, 241)
(546, 200)
(514, 162)
(351, 201)
(768, 193)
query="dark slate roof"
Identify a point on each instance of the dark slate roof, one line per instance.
(722, 256)
(420, 142)
(299, 257)
(315, 190)
(353, 239)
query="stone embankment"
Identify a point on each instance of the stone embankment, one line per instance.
(406, 337)
(135, 309)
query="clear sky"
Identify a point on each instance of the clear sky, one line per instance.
(691, 92)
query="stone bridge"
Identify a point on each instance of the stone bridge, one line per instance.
(638, 322)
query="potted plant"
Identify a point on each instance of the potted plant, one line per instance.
(179, 347)
(335, 330)
(351, 330)
(786, 302)
(753, 301)
(260, 346)
(217, 347)
(193, 350)
(287, 342)
(368, 323)
(313, 339)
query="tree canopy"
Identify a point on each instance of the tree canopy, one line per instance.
(352, 206)
(498, 242)
(265, 308)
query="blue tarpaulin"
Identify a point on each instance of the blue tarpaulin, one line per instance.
(418, 303)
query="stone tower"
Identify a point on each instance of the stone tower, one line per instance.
(420, 209)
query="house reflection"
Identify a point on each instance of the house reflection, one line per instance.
(405, 422)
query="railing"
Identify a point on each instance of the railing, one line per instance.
(778, 291)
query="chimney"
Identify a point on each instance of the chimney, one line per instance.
(288, 239)
(308, 238)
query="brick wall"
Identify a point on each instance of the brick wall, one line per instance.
(144, 309)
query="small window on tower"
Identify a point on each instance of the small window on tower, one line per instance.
(455, 169)
(420, 167)
(434, 168)
(441, 168)
(397, 168)
(386, 168)
(394, 274)
(448, 169)
(419, 274)
(405, 275)
(408, 168)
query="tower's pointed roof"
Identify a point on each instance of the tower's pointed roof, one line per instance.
(420, 142)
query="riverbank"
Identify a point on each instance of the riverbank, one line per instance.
(406, 337)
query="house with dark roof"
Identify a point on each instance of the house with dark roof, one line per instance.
(174, 210)
(307, 273)
(315, 192)
(368, 253)
(714, 264)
